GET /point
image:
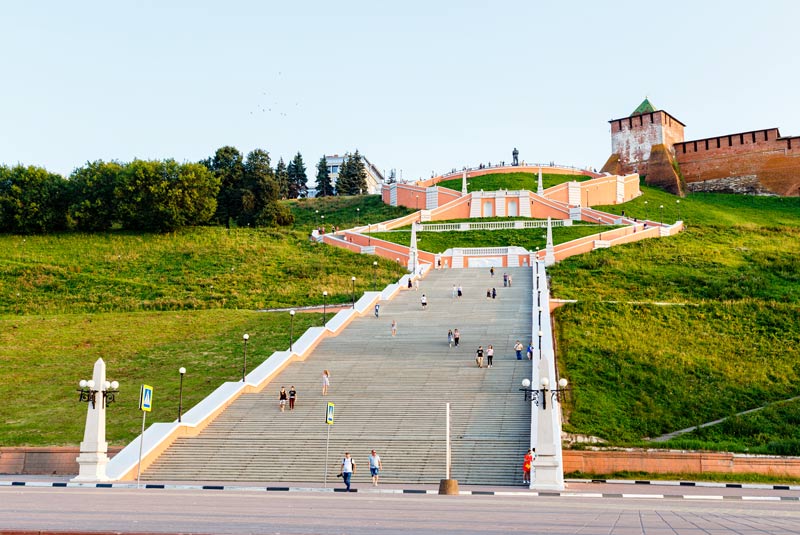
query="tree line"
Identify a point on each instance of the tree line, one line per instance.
(163, 195)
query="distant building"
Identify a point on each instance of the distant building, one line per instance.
(374, 176)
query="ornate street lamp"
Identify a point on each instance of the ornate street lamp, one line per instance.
(539, 395)
(353, 280)
(324, 306)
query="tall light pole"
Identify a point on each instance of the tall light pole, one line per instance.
(353, 280)
(678, 202)
(324, 305)
(316, 213)
(323, 218)
(661, 209)
(374, 275)
(645, 210)
(181, 371)
(291, 329)
(358, 216)
(245, 337)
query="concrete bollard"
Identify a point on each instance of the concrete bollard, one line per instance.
(448, 486)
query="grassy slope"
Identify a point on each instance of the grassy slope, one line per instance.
(732, 343)
(744, 348)
(511, 181)
(531, 239)
(148, 304)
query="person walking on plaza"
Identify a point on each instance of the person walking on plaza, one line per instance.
(292, 397)
(526, 467)
(450, 338)
(509, 280)
(394, 328)
(424, 301)
(505, 279)
(494, 293)
(488, 293)
(491, 271)
(530, 351)
(518, 348)
(326, 382)
(489, 356)
(479, 357)
(456, 337)
(377, 310)
(455, 291)
(282, 398)
(375, 467)
(460, 291)
(348, 469)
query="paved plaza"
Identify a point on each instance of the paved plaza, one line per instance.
(585, 508)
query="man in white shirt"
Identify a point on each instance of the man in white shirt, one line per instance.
(348, 469)
(375, 467)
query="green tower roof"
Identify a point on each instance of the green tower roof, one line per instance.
(644, 107)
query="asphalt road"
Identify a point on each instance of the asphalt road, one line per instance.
(289, 513)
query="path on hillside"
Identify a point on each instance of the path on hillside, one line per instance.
(664, 438)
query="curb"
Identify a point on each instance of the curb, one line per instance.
(159, 486)
(707, 484)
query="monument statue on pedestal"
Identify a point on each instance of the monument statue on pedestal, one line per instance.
(515, 156)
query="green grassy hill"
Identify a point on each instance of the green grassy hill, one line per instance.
(665, 333)
(150, 303)
(670, 333)
(511, 181)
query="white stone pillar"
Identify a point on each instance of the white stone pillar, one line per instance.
(550, 254)
(413, 257)
(539, 186)
(464, 182)
(94, 448)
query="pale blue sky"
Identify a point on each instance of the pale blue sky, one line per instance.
(416, 85)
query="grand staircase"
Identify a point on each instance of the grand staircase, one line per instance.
(389, 394)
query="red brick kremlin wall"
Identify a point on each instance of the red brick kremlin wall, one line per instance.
(759, 160)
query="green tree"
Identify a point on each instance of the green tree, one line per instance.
(323, 185)
(32, 200)
(282, 177)
(298, 180)
(164, 196)
(228, 166)
(359, 173)
(344, 183)
(260, 189)
(91, 195)
(352, 176)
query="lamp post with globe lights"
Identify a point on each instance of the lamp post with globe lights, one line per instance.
(245, 338)
(291, 329)
(181, 371)
(97, 393)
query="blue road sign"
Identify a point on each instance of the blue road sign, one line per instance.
(329, 414)
(146, 398)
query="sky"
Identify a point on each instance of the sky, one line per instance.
(419, 86)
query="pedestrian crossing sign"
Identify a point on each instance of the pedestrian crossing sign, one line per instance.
(329, 414)
(146, 398)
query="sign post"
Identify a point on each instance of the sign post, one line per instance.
(145, 405)
(329, 422)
